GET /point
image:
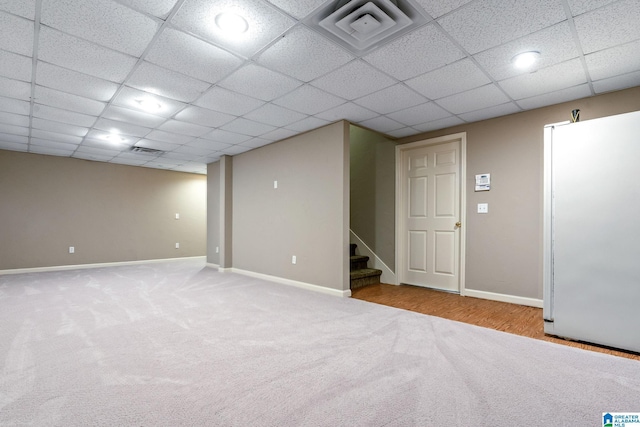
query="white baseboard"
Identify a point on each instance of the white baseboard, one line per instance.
(531, 302)
(387, 276)
(295, 283)
(87, 266)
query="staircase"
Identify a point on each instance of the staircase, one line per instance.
(361, 275)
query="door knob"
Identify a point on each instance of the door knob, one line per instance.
(458, 224)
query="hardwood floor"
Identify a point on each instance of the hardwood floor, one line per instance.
(512, 318)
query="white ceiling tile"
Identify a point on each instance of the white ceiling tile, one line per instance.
(204, 116)
(298, 8)
(84, 57)
(439, 124)
(103, 22)
(16, 34)
(208, 144)
(615, 61)
(180, 127)
(257, 142)
(12, 146)
(474, 99)
(247, 127)
(160, 81)
(403, 132)
(130, 97)
(224, 136)
(63, 116)
(163, 163)
(99, 140)
(192, 167)
(448, 80)
(274, 115)
(188, 55)
(276, 135)
(394, 98)
(483, 25)
(122, 114)
(555, 44)
(260, 82)
(12, 105)
(14, 139)
(617, 83)
(173, 138)
(158, 8)
(354, 80)
(14, 119)
(54, 136)
(54, 144)
(412, 54)
(320, 55)
(76, 83)
(92, 153)
(24, 8)
(156, 145)
(15, 89)
(596, 32)
(546, 80)
(37, 149)
(487, 113)
(58, 127)
(176, 158)
(348, 111)
(14, 130)
(198, 151)
(308, 124)
(309, 100)
(235, 149)
(121, 127)
(437, 8)
(579, 7)
(556, 97)
(265, 23)
(419, 114)
(54, 98)
(382, 124)
(15, 66)
(220, 99)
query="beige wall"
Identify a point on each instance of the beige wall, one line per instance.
(372, 190)
(213, 213)
(109, 213)
(503, 247)
(306, 216)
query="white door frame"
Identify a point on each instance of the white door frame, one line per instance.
(400, 205)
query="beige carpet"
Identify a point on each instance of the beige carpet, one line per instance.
(177, 344)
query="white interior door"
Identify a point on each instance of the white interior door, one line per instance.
(429, 212)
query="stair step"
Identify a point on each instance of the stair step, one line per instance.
(358, 262)
(364, 277)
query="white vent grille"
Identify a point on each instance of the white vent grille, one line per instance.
(363, 25)
(145, 150)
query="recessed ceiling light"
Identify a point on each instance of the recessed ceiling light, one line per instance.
(148, 104)
(231, 23)
(525, 60)
(114, 137)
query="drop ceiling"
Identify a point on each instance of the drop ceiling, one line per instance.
(75, 74)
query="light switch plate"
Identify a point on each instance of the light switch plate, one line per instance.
(483, 208)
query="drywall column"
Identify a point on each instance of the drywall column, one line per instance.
(213, 214)
(226, 211)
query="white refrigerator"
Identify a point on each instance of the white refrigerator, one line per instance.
(592, 231)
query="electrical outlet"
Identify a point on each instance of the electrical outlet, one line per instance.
(72, 250)
(275, 184)
(483, 208)
(217, 249)
(293, 259)
(177, 245)
(177, 216)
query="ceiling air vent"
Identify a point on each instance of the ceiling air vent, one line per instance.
(145, 150)
(362, 25)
